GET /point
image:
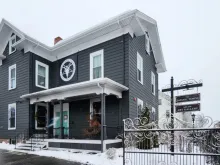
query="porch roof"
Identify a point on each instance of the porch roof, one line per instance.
(97, 86)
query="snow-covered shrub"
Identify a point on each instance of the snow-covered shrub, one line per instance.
(111, 153)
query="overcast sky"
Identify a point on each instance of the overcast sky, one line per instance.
(189, 32)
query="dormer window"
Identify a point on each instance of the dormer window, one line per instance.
(12, 42)
(147, 42)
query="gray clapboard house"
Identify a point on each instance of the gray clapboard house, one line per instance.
(83, 86)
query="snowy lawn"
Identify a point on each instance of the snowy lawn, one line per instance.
(83, 157)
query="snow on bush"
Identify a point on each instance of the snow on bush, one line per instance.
(111, 153)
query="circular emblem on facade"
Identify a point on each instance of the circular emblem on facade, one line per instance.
(67, 70)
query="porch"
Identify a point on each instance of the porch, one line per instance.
(78, 116)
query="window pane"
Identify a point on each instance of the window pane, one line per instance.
(12, 49)
(97, 61)
(41, 81)
(41, 116)
(41, 71)
(13, 73)
(152, 88)
(13, 41)
(139, 75)
(12, 117)
(97, 72)
(139, 63)
(13, 83)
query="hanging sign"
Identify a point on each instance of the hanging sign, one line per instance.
(186, 98)
(188, 108)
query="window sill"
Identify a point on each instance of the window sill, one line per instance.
(140, 82)
(153, 94)
(11, 128)
(11, 89)
(41, 86)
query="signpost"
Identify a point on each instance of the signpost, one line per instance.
(186, 98)
(188, 107)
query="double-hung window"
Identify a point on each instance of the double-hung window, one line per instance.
(140, 106)
(12, 77)
(97, 65)
(139, 68)
(12, 116)
(42, 74)
(147, 43)
(12, 42)
(153, 83)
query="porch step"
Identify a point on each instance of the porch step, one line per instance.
(33, 145)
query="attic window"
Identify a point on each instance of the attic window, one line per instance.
(12, 42)
(147, 46)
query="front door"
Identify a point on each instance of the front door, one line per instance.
(65, 119)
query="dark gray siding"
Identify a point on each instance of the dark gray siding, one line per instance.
(136, 89)
(7, 97)
(115, 62)
(33, 58)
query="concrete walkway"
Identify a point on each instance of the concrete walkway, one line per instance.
(18, 158)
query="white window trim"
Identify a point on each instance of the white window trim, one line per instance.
(38, 63)
(92, 55)
(11, 45)
(153, 82)
(142, 103)
(9, 106)
(9, 76)
(40, 104)
(141, 59)
(147, 46)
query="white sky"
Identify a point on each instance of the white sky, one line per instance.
(189, 32)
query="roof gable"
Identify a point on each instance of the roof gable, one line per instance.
(133, 22)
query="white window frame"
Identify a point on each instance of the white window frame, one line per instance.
(139, 57)
(147, 44)
(11, 45)
(38, 63)
(153, 82)
(92, 55)
(9, 77)
(139, 101)
(9, 108)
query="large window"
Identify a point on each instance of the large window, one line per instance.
(40, 116)
(12, 42)
(12, 77)
(97, 65)
(12, 116)
(42, 73)
(140, 106)
(139, 68)
(152, 83)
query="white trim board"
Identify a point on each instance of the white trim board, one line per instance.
(78, 89)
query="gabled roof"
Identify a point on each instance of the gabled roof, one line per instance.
(133, 22)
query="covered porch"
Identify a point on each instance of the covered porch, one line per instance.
(86, 113)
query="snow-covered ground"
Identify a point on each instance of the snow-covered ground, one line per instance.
(83, 157)
(151, 158)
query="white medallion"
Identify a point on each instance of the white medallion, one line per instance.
(67, 70)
